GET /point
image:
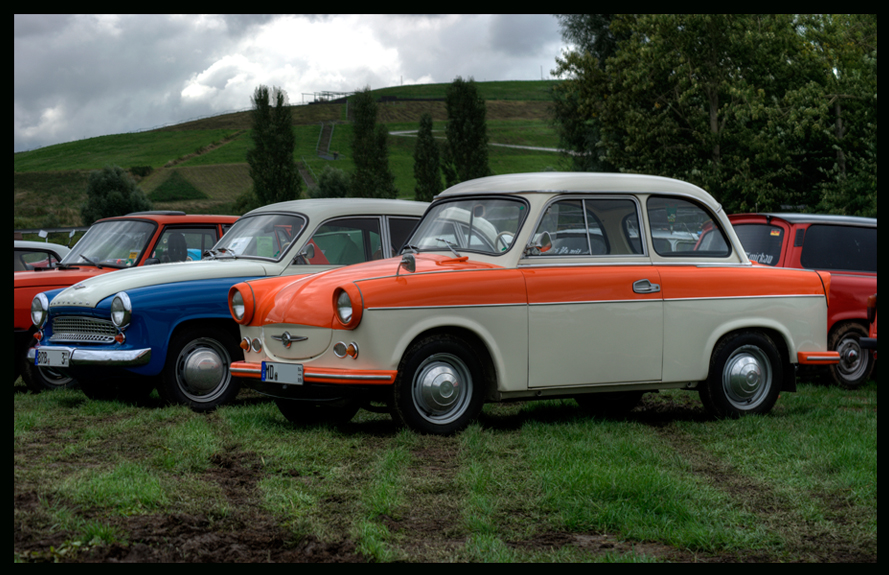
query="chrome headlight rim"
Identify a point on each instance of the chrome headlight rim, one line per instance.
(39, 310)
(344, 308)
(121, 310)
(238, 307)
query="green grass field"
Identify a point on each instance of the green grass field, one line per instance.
(531, 482)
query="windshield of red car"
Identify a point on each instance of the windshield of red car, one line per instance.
(116, 243)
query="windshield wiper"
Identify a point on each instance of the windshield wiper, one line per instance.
(412, 248)
(450, 246)
(89, 261)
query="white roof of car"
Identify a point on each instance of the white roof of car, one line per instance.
(333, 207)
(48, 246)
(579, 182)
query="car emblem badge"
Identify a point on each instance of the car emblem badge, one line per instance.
(288, 339)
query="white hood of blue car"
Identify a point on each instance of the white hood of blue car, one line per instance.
(90, 292)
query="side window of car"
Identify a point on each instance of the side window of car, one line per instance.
(680, 228)
(180, 244)
(348, 241)
(592, 226)
(846, 248)
(399, 231)
(564, 221)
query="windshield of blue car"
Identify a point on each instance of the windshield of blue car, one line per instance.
(264, 236)
(116, 243)
(486, 225)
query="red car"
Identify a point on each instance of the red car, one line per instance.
(136, 239)
(846, 246)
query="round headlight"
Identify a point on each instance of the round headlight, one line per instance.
(344, 307)
(241, 303)
(121, 310)
(39, 308)
(237, 305)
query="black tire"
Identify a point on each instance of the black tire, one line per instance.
(197, 372)
(856, 364)
(440, 386)
(40, 379)
(745, 376)
(304, 412)
(610, 404)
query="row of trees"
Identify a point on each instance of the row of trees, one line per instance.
(463, 156)
(761, 110)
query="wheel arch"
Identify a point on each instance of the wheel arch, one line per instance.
(788, 380)
(214, 325)
(474, 341)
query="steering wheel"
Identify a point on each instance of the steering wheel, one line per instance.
(500, 239)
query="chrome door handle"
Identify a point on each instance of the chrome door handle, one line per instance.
(645, 286)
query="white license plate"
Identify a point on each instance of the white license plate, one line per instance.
(290, 373)
(52, 357)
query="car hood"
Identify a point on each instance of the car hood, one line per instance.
(90, 292)
(57, 277)
(314, 293)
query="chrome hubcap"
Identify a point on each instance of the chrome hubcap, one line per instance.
(851, 365)
(747, 377)
(442, 388)
(202, 370)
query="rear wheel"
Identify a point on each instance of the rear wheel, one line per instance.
(856, 363)
(745, 376)
(197, 372)
(440, 386)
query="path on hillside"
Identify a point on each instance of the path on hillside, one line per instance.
(413, 134)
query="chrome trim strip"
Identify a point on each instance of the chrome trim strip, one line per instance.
(639, 300)
(821, 358)
(352, 377)
(448, 306)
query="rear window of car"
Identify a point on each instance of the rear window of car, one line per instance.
(846, 248)
(762, 242)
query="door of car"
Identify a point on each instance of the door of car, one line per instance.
(595, 311)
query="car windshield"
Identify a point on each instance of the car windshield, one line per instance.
(116, 243)
(487, 226)
(264, 236)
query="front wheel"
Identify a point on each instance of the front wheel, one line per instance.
(197, 372)
(43, 378)
(440, 386)
(745, 376)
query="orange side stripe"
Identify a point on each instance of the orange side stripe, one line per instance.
(818, 357)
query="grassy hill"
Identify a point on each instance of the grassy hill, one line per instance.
(208, 156)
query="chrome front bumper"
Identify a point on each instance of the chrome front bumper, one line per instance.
(102, 357)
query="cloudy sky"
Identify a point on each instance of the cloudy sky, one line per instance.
(79, 76)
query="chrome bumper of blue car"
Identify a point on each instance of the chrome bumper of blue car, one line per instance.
(101, 357)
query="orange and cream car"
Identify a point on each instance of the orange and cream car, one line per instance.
(533, 286)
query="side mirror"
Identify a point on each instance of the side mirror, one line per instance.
(151, 261)
(539, 245)
(306, 254)
(408, 262)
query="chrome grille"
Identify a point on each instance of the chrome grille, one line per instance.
(82, 329)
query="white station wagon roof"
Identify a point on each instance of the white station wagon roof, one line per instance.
(579, 182)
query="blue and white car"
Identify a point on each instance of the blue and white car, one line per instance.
(169, 327)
